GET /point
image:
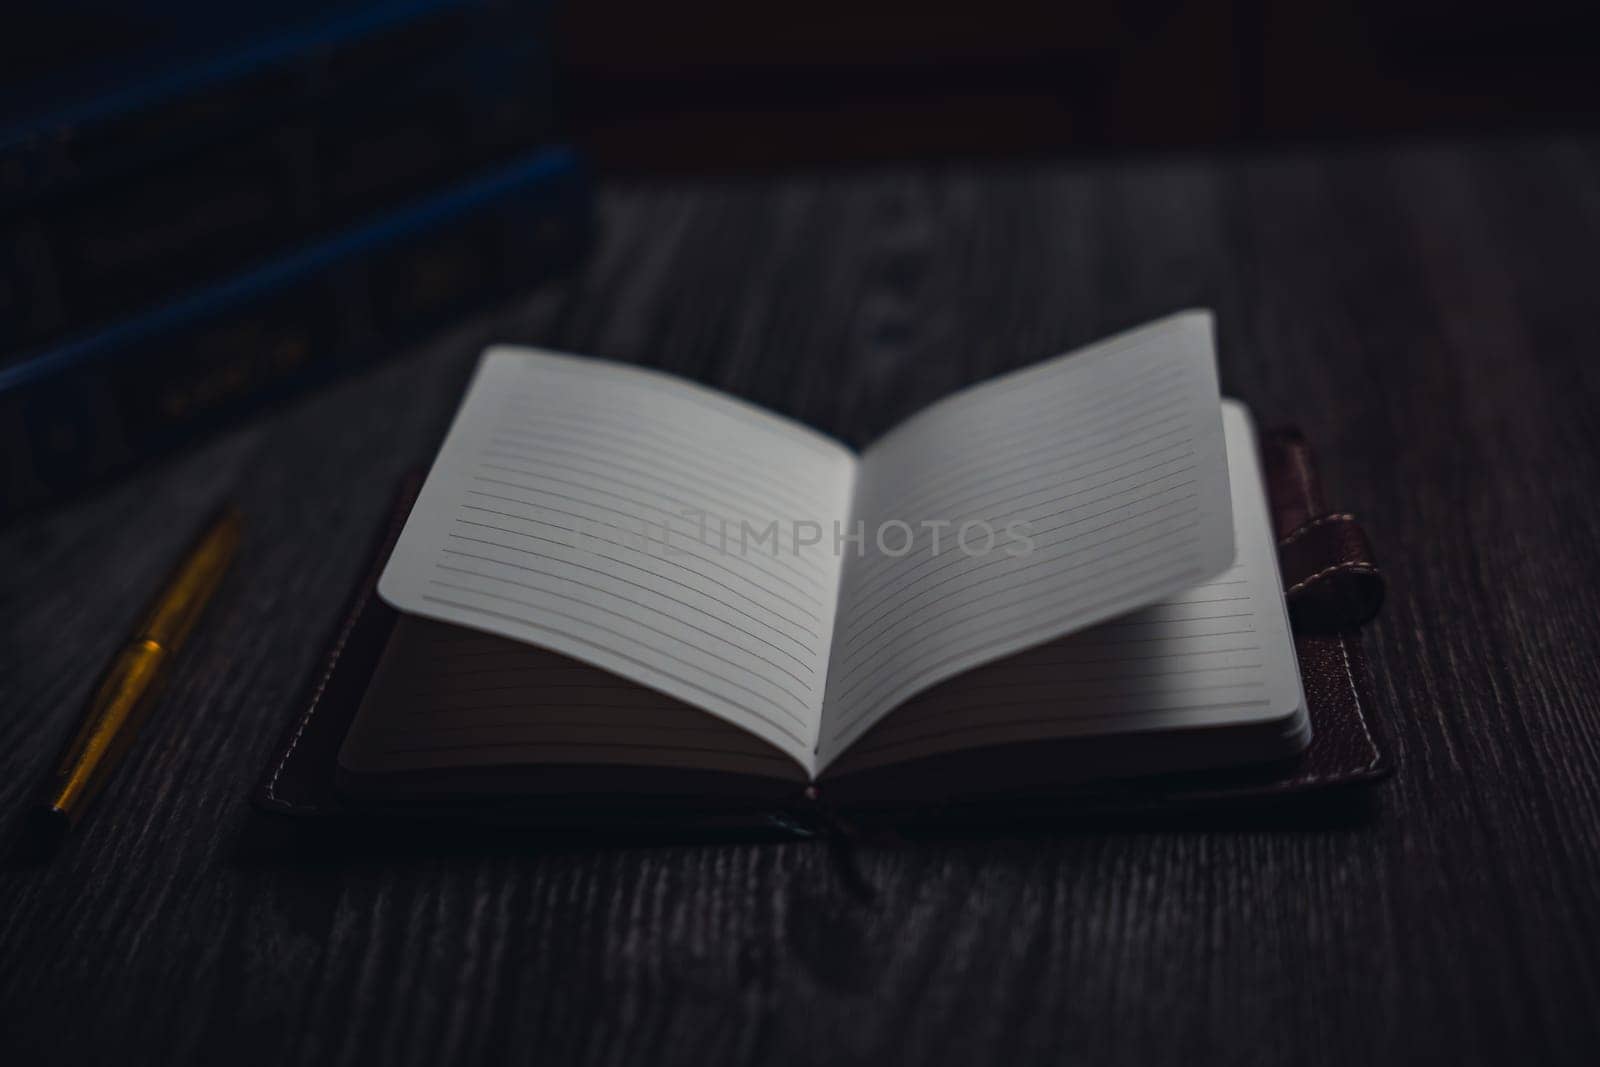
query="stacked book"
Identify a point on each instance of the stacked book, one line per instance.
(255, 200)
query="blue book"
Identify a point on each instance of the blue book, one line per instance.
(193, 71)
(213, 167)
(78, 411)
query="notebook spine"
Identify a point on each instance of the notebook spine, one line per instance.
(78, 411)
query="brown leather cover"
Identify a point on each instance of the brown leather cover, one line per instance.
(1329, 574)
(1332, 583)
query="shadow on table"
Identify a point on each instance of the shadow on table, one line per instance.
(267, 840)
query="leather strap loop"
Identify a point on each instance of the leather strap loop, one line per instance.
(1329, 576)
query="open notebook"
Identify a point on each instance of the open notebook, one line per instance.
(617, 583)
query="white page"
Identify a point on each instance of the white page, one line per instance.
(1219, 655)
(1113, 460)
(554, 463)
(445, 698)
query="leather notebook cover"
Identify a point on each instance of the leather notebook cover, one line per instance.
(1332, 585)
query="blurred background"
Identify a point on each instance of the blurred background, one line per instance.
(205, 208)
(705, 82)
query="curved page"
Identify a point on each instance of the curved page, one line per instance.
(639, 523)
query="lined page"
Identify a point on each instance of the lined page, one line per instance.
(1026, 508)
(639, 523)
(447, 698)
(1217, 655)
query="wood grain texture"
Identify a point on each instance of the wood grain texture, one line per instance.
(1425, 313)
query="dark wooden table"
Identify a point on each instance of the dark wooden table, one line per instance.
(1426, 313)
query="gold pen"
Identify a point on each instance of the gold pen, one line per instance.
(124, 696)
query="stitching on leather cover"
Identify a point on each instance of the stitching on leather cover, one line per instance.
(1361, 714)
(1307, 527)
(1361, 717)
(1298, 452)
(1367, 568)
(349, 624)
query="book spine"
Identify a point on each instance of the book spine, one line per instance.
(71, 262)
(156, 115)
(78, 412)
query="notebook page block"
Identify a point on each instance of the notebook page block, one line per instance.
(447, 698)
(1029, 507)
(1217, 656)
(622, 517)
